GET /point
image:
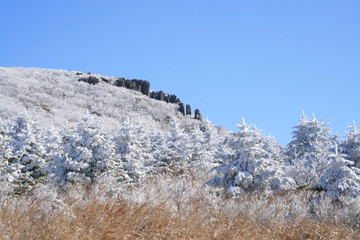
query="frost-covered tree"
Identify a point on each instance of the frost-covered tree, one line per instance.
(197, 151)
(52, 145)
(351, 145)
(254, 166)
(134, 146)
(5, 148)
(88, 154)
(23, 157)
(173, 153)
(339, 177)
(213, 147)
(311, 137)
(308, 151)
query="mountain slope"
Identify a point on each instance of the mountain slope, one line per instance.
(56, 96)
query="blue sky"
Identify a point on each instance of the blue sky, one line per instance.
(264, 60)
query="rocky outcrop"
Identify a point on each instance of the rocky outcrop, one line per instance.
(198, 115)
(174, 99)
(90, 80)
(188, 109)
(181, 108)
(105, 80)
(120, 82)
(160, 96)
(133, 86)
(143, 86)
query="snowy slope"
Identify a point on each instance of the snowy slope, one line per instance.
(143, 136)
(56, 96)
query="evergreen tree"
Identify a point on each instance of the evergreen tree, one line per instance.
(5, 149)
(351, 145)
(174, 151)
(310, 137)
(88, 154)
(213, 147)
(339, 177)
(24, 154)
(253, 167)
(308, 151)
(52, 145)
(134, 146)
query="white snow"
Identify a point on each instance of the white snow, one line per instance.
(103, 132)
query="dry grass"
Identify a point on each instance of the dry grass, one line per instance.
(121, 221)
(84, 213)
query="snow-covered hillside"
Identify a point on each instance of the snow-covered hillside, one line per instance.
(59, 129)
(107, 132)
(56, 96)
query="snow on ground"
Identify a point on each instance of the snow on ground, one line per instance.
(56, 96)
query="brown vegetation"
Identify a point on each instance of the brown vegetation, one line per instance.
(88, 213)
(123, 221)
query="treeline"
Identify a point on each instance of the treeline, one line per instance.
(244, 161)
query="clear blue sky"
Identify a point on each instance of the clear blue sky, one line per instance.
(264, 60)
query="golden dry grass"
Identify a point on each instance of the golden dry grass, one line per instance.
(120, 219)
(166, 207)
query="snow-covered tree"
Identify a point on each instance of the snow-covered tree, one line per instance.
(339, 177)
(88, 154)
(254, 166)
(173, 153)
(52, 145)
(197, 151)
(5, 148)
(351, 145)
(311, 137)
(134, 147)
(24, 153)
(308, 151)
(213, 147)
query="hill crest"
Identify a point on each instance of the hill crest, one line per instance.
(58, 97)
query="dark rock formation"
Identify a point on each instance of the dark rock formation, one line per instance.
(120, 82)
(136, 84)
(133, 85)
(93, 80)
(172, 98)
(198, 115)
(83, 80)
(127, 83)
(161, 96)
(153, 95)
(105, 80)
(188, 109)
(90, 80)
(139, 83)
(145, 87)
(181, 108)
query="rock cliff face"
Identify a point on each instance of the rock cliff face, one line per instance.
(188, 109)
(91, 80)
(198, 115)
(143, 86)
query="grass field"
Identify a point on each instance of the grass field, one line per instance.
(171, 207)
